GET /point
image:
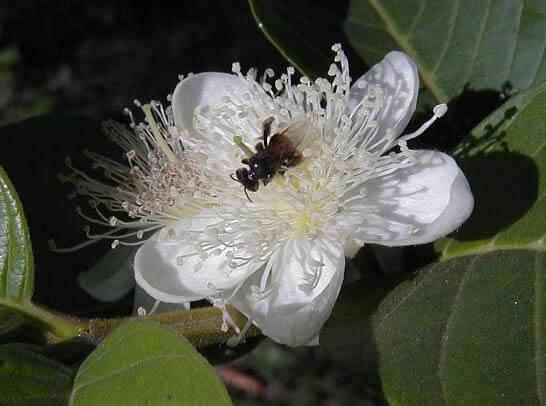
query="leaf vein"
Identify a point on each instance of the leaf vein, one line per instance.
(112, 347)
(478, 42)
(410, 294)
(511, 61)
(418, 17)
(449, 325)
(449, 37)
(123, 370)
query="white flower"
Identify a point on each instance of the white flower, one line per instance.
(279, 258)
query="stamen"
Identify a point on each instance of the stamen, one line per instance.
(240, 338)
(154, 307)
(439, 110)
(238, 140)
(227, 320)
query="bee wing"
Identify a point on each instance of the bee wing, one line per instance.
(300, 133)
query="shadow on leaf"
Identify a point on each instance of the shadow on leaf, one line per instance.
(505, 187)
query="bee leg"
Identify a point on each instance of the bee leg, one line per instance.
(259, 146)
(267, 128)
(245, 161)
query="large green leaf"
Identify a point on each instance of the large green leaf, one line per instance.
(504, 160)
(302, 32)
(27, 378)
(16, 265)
(143, 363)
(481, 44)
(469, 330)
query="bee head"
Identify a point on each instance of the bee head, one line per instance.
(247, 179)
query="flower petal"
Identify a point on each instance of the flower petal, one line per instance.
(294, 312)
(207, 89)
(457, 211)
(171, 270)
(111, 277)
(201, 89)
(413, 205)
(397, 76)
(147, 302)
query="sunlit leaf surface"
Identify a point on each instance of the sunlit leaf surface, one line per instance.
(143, 363)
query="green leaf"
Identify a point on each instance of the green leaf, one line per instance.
(9, 320)
(504, 159)
(27, 378)
(141, 362)
(302, 32)
(468, 330)
(480, 44)
(16, 265)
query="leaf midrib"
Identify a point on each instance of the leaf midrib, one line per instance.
(5, 244)
(448, 326)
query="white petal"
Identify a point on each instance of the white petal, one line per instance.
(293, 313)
(147, 302)
(206, 88)
(314, 342)
(459, 208)
(171, 271)
(414, 205)
(398, 77)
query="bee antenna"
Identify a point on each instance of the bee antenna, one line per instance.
(232, 177)
(247, 196)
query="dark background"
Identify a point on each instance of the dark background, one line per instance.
(94, 58)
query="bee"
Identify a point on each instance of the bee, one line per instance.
(272, 155)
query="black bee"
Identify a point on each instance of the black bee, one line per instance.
(272, 155)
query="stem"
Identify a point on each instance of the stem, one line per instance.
(58, 326)
(200, 326)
